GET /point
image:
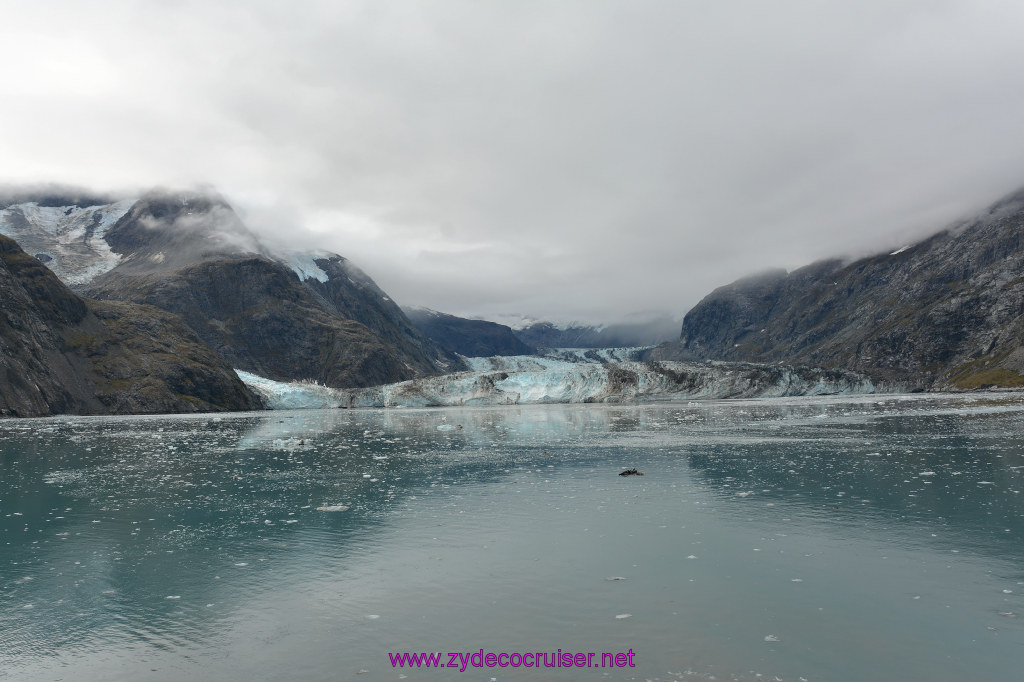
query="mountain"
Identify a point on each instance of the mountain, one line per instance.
(471, 338)
(60, 353)
(946, 312)
(281, 315)
(573, 335)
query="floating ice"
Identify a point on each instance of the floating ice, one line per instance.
(333, 508)
(771, 638)
(624, 615)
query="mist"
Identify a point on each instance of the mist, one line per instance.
(572, 161)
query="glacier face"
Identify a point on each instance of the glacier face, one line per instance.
(293, 395)
(522, 380)
(68, 239)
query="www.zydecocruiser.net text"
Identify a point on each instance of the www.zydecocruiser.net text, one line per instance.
(530, 659)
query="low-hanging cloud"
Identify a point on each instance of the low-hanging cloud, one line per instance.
(577, 160)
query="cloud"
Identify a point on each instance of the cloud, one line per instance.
(577, 159)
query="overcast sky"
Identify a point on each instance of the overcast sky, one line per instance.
(566, 159)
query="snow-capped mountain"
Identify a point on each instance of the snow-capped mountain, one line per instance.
(283, 315)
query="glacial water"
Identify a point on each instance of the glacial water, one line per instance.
(828, 539)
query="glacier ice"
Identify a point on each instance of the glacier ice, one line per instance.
(293, 395)
(521, 380)
(303, 264)
(71, 236)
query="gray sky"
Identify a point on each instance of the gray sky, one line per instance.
(573, 160)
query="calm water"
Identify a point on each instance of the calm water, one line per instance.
(874, 539)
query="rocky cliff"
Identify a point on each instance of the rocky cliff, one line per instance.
(60, 353)
(947, 312)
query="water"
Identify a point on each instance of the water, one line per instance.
(871, 538)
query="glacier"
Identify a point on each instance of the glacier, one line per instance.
(69, 239)
(600, 355)
(303, 263)
(293, 395)
(524, 380)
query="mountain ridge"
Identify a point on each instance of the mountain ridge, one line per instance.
(946, 312)
(467, 337)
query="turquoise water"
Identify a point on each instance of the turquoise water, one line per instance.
(873, 538)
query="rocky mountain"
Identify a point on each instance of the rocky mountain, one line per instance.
(471, 338)
(281, 315)
(572, 335)
(60, 353)
(946, 312)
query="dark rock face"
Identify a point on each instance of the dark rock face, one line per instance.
(191, 255)
(471, 338)
(355, 296)
(260, 319)
(63, 354)
(947, 312)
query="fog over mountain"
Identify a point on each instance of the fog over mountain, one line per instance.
(569, 161)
